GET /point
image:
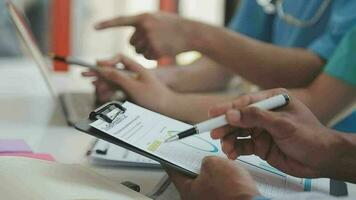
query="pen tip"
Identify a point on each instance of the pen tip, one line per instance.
(170, 139)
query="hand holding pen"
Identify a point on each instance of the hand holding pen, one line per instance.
(217, 122)
(145, 90)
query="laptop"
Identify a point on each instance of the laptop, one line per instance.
(76, 106)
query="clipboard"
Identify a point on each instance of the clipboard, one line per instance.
(101, 113)
(337, 188)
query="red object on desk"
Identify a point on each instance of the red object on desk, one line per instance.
(168, 6)
(39, 156)
(61, 40)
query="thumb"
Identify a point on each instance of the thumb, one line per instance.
(220, 109)
(133, 66)
(182, 182)
(110, 62)
(118, 21)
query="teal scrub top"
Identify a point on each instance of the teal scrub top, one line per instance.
(322, 38)
(342, 64)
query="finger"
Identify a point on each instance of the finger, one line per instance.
(103, 91)
(263, 143)
(241, 147)
(119, 21)
(119, 79)
(141, 47)
(181, 181)
(136, 37)
(251, 117)
(228, 143)
(151, 54)
(131, 64)
(89, 74)
(110, 62)
(221, 132)
(220, 109)
(258, 96)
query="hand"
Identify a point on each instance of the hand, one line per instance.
(218, 179)
(292, 139)
(146, 90)
(156, 35)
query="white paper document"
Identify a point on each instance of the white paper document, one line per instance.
(147, 131)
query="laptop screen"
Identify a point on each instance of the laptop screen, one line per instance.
(27, 37)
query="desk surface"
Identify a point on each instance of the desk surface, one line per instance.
(29, 112)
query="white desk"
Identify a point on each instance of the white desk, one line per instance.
(28, 112)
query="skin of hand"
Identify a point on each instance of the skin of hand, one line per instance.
(203, 75)
(149, 92)
(163, 34)
(219, 178)
(146, 90)
(292, 139)
(157, 34)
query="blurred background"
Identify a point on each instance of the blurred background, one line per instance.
(66, 26)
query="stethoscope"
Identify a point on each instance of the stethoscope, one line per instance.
(276, 7)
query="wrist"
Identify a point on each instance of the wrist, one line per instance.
(170, 105)
(168, 75)
(341, 157)
(198, 37)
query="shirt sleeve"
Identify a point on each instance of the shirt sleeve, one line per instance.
(342, 19)
(342, 64)
(251, 20)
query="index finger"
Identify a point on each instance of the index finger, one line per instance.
(118, 21)
(244, 101)
(220, 109)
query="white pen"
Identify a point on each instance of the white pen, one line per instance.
(208, 125)
(73, 61)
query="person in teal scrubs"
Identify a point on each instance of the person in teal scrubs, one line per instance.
(342, 66)
(265, 49)
(333, 90)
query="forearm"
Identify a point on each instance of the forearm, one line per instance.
(326, 97)
(203, 75)
(263, 64)
(193, 108)
(342, 163)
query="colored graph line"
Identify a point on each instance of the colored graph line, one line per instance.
(213, 149)
(266, 168)
(307, 185)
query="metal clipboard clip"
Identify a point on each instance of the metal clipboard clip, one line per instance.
(103, 112)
